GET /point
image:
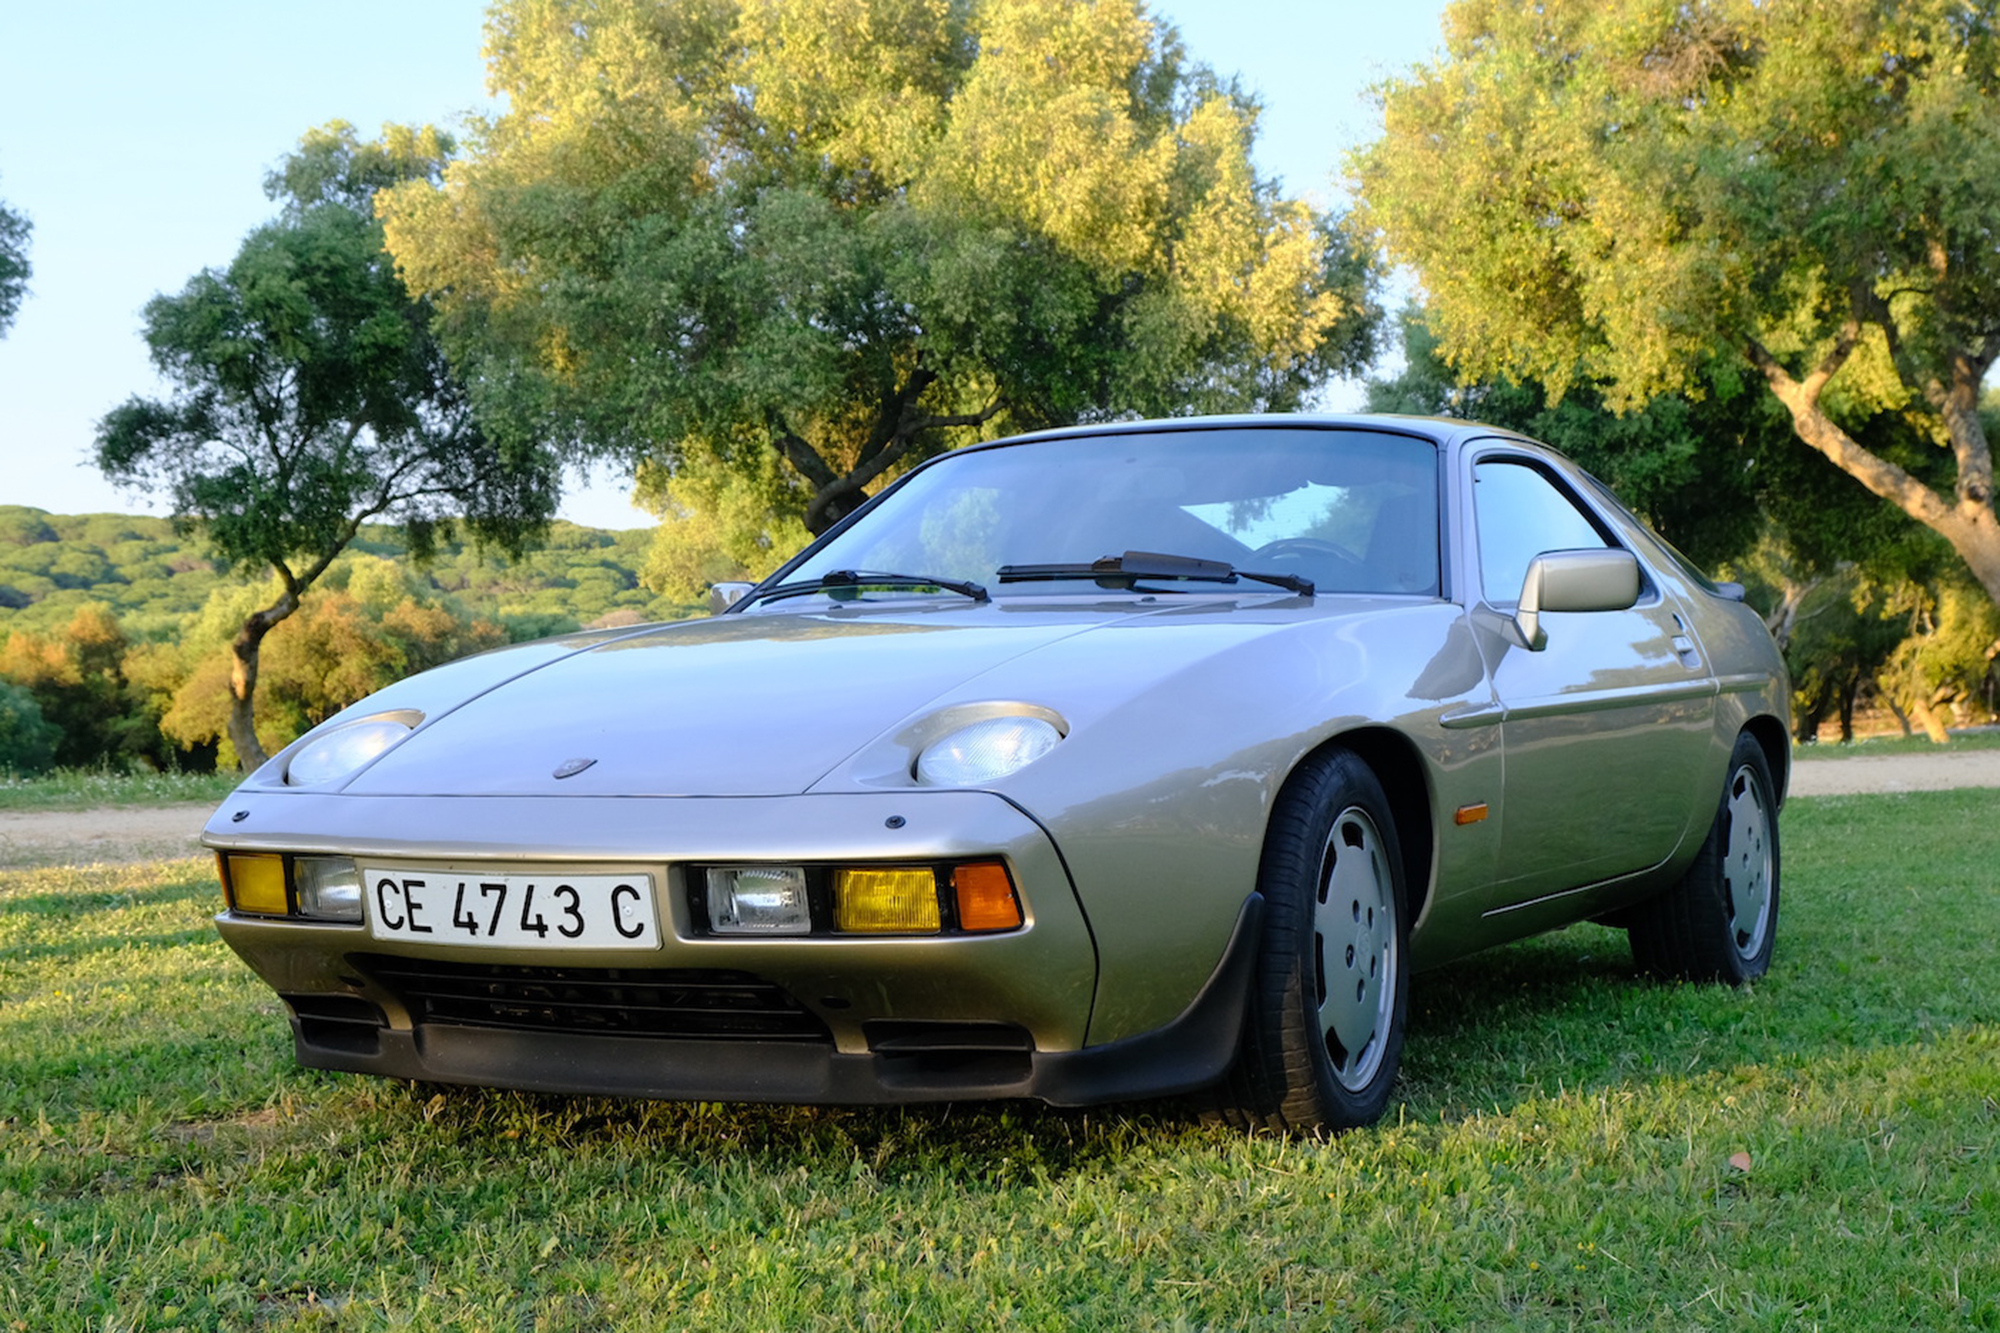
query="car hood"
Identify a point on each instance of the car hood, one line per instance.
(769, 703)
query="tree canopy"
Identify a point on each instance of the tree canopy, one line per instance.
(1867, 606)
(1715, 470)
(1655, 197)
(311, 396)
(777, 249)
(14, 267)
(1661, 460)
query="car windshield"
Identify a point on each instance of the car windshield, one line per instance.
(1350, 510)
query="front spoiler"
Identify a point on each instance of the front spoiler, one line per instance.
(1190, 1052)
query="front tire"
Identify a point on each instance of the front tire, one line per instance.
(1720, 921)
(1330, 999)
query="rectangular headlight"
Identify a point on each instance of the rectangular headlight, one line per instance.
(329, 887)
(254, 882)
(758, 900)
(899, 900)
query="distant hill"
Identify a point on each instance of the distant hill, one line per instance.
(155, 579)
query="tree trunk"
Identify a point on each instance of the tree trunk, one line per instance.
(1902, 718)
(898, 423)
(1969, 524)
(1928, 719)
(1968, 521)
(249, 643)
(1805, 723)
(1784, 618)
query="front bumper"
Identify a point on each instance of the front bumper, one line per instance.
(821, 1019)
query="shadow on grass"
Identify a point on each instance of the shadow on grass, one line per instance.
(983, 1144)
(1568, 1013)
(73, 903)
(1486, 1033)
(1562, 1012)
(91, 946)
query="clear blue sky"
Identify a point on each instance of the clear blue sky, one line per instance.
(135, 135)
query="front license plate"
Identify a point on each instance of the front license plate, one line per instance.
(512, 911)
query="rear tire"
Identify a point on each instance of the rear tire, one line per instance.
(1330, 998)
(1720, 921)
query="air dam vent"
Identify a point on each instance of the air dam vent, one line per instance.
(338, 1022)
(607, 1001)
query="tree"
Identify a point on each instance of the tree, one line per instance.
(1840, 578)
(14, 267)
(1844, 629)
(1798, 193)
(1946, 666)
(27, 740)
(312, 396)
(840, 235)
(76, 675)
(1664, 461)
(371, 623)
(1716, 470)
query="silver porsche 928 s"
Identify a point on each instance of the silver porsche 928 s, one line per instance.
(1090, 765)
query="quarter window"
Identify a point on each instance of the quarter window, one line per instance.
(1522, 513)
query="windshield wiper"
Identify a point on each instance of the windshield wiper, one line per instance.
(852, 581)
(1123, 571)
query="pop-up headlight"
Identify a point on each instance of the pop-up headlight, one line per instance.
(985, 751)
(345, 749)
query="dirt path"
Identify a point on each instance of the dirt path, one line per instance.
(121, 833)
(1896, 772)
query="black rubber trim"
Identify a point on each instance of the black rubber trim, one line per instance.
(676, 1003)
(1190, 1052)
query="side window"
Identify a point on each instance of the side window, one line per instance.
(1521, 513)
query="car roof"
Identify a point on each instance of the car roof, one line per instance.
(1442, 430)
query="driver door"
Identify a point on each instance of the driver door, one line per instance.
(1606, 730)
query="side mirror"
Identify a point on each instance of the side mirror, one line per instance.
(722, 596)
(1574, 581)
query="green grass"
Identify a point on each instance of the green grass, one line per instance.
(1919, 744)
(1561, 1156)
(83, 788)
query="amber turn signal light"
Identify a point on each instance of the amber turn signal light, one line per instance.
(985, 896)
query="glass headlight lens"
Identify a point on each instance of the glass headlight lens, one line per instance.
(985, 751)
(329, 887)
(344, 749)
(758, 900)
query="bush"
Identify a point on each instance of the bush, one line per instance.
(27, 739)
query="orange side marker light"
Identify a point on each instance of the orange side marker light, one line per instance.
(986, 898)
